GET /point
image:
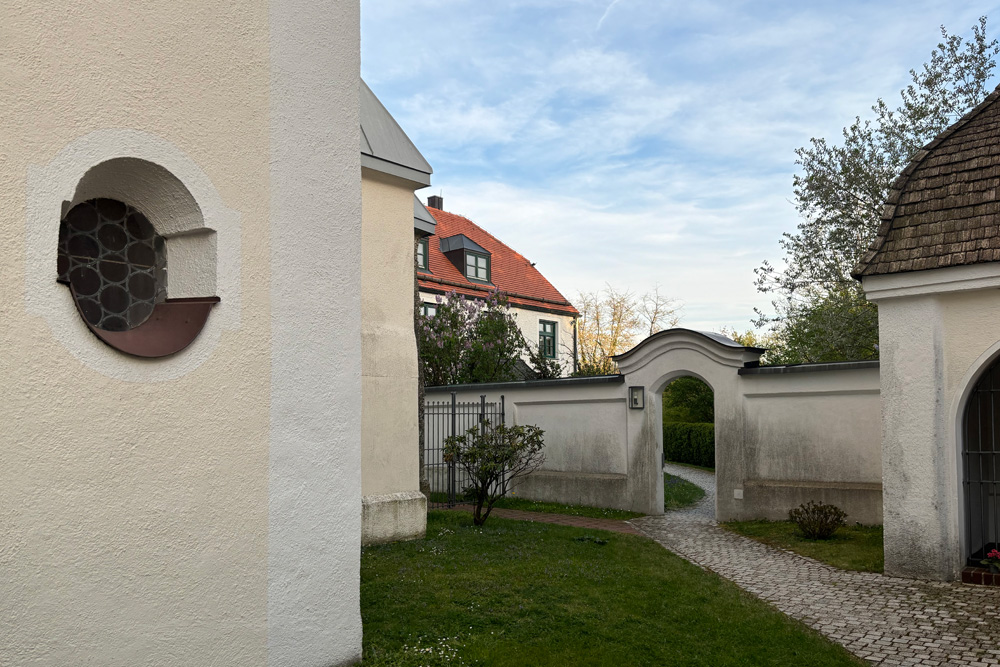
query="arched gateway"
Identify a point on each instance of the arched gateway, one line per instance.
(711, 357)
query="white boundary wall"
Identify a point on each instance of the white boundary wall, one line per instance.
(784, 435)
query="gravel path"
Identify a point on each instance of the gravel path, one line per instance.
(885, 620)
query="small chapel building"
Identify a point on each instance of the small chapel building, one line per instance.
(934, 271)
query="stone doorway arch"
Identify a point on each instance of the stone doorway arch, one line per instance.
(654, 363)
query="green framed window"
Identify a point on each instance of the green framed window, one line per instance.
(422, 254)
(547, 338)
(477, 267)
(428, 309)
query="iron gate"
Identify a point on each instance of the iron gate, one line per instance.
(980, 465)
(448, 481)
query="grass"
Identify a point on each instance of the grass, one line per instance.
(515, 503)
(514, 593)
(679, 493)
(855, 547)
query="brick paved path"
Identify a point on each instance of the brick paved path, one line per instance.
(885, 620)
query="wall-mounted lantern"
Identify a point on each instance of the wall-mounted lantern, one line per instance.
(637, 398)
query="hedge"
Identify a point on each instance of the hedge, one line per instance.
(689, 443)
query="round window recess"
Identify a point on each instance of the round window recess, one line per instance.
(115, 265)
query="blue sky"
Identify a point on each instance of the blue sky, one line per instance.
(636, 142)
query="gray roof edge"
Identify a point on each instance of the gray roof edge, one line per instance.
(528, 384)
(421, 178)
(810, 367)
(386, 138)
(423, 221)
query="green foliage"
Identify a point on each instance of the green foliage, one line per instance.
(820, 311)
(817, 521)
(688, 399)
(545, 368)
(494, 456)
(679, 493)
(689, 443)
(841, 325)
(469, 340)
(856, 547)
(517, 593)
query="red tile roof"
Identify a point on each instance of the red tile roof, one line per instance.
(510, 271)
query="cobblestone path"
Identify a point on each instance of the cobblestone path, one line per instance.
(885, 620)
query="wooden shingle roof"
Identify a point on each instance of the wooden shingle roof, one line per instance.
(944, 208)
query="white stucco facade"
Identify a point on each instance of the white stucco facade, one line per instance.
(529, 322)
(392, 507)
(201, 508)
(938, 331)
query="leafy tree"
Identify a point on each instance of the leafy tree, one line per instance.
(612, 321)
(688, 399)
(494, 456)
(820, 311)
(545, 368)
(469, 340)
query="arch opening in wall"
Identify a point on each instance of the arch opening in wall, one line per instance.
(688, 419)
(130, 225)
(980, 466)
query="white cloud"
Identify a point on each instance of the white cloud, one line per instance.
(657, 148)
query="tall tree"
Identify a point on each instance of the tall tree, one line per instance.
(612, 321)
(820, 311)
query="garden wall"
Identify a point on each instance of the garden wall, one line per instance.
(813, 432)
(784, 434)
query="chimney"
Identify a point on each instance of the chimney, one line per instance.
(436, 201)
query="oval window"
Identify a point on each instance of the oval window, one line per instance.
(115, 263)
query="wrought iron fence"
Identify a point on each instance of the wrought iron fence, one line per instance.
(442, 419)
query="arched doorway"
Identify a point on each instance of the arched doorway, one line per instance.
(981, 466)
(689, 422)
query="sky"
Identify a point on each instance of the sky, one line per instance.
(636, 143)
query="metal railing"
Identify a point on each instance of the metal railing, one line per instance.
(442, 419)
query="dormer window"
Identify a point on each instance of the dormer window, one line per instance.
(477, 267)
(422, 254)
(469, 257)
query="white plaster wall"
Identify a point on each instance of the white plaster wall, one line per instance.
(820, 426)
(528, 321)
(813, 436)
(200, 509)
(314, 522)
(938, 331)
(586, 447)
(389, 435)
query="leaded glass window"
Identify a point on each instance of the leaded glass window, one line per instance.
(114, 261)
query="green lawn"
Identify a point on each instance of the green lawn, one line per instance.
(514, 593)
(515, 503)
(851, 548)
(679, 493)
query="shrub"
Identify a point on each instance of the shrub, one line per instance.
(689, 443)
(494, 456)
(817, 521)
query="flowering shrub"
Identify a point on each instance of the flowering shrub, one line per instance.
(992, 558)
(818, 521)
(469, 340)
(494, 456)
